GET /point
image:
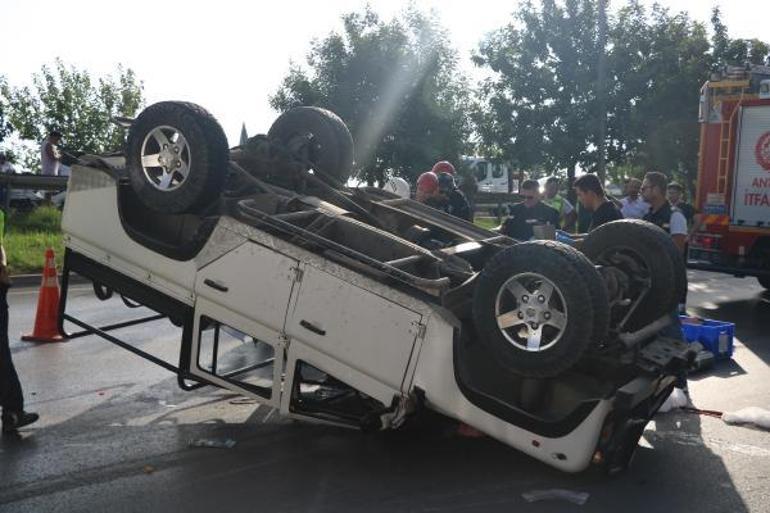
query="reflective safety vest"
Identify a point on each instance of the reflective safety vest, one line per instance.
(556, 203)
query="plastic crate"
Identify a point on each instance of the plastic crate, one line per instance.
(715, 336)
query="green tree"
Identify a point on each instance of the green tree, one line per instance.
(5, 127)
(735, 52)
(539, 106)
(660, 61)
(72, 101)
(397, 86)
(542, 103)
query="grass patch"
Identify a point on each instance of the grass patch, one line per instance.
(28, 235)
(486, 222)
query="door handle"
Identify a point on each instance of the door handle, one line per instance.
(215, 285)
(310, 327)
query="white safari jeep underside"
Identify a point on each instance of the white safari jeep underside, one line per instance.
(362, 309)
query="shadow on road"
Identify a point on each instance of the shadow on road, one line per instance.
(96, 460)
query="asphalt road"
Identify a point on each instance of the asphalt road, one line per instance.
(115, 429)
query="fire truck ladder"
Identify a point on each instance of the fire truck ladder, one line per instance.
(725, 143)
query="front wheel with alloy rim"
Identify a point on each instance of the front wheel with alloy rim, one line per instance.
(532, 309)
(176, 157)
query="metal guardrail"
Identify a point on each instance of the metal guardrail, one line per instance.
(30, 182)
(36, 182)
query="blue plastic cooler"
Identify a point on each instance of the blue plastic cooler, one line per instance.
(715, 336)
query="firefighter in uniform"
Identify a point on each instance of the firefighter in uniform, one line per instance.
(455, 202)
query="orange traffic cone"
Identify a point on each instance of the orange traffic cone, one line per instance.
(46, 325)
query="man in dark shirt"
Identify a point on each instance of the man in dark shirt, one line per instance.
(591, 195)
(523, 216)
(675, 194)
(455, 202)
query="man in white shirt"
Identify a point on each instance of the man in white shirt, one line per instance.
(633, 206)
(50, 155)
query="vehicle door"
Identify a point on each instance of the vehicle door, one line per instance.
(372, 336)
(240, 311)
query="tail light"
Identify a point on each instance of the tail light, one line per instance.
(710, 241)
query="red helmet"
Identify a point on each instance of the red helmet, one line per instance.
(427, 182)
(443, 166)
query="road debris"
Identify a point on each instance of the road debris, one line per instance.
(226, 443)
(579, 498)
(148, 469)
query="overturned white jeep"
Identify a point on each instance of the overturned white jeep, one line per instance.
(356, 307)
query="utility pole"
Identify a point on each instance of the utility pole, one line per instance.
(601, 92)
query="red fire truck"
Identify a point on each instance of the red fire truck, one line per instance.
(733, 189)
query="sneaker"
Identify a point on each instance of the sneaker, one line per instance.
(15, 420)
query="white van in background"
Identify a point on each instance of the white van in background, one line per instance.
(491, 176)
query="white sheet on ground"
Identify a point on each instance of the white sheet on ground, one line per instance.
(751, 415)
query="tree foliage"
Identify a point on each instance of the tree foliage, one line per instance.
(72, 101)
(726, 51)
(539, 106)
(5, 127)
(397, 86)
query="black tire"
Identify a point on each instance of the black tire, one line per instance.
(556, 263)
(332, 149)
(598, 291)
(659, 257)
(205, 157)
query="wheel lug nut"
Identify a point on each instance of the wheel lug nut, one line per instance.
(541, 298)
(525, 299)
(176, 149)
(165, 146)
(547, 315)
(534, 326)
(521, 315)
(178, 164)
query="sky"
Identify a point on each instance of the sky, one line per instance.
(230, 56)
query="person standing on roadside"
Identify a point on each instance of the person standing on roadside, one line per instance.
(6, 168)
(671, 220)
(11, 396)
(662, 214)
(528, 213)
(675, 194)
(552, 198)
(592, 197)
(50, 155)
(632, 205)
